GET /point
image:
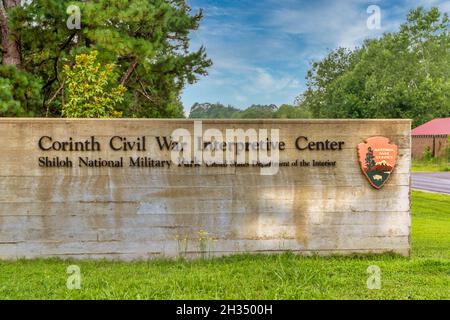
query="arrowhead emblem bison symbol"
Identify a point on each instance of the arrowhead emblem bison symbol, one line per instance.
(377, 158)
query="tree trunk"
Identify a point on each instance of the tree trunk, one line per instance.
(10, 48)
(126, 77)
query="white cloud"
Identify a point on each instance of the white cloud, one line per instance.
(338, 23)
(261, 50)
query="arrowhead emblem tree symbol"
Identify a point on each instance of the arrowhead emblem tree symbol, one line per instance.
(377, 158)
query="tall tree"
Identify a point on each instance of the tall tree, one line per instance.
(146, 40)
(9, 41)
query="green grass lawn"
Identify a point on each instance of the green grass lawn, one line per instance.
(435, 165)
(426, 275)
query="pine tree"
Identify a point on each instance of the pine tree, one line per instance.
(147, 41)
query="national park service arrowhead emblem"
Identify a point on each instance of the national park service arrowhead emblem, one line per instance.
(377, 158)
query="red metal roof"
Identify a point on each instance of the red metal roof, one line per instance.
(434, 127)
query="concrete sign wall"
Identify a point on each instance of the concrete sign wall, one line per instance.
(138, 189)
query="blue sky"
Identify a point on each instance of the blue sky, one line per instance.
(262, 49)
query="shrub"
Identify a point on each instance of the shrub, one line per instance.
(20, 93)
(90, 92)
(427, 154)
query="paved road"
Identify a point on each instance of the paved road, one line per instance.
(431, 181)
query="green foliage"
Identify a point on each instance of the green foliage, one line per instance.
(258, 112)
(429, 163)
(213, 111)
(401, 75)
(219, 111)
(370, 160)
(89, 90)
(155, 36)
(147, 41)
(287, 111)
(433, 165)
(8, 105)
(19, 93)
